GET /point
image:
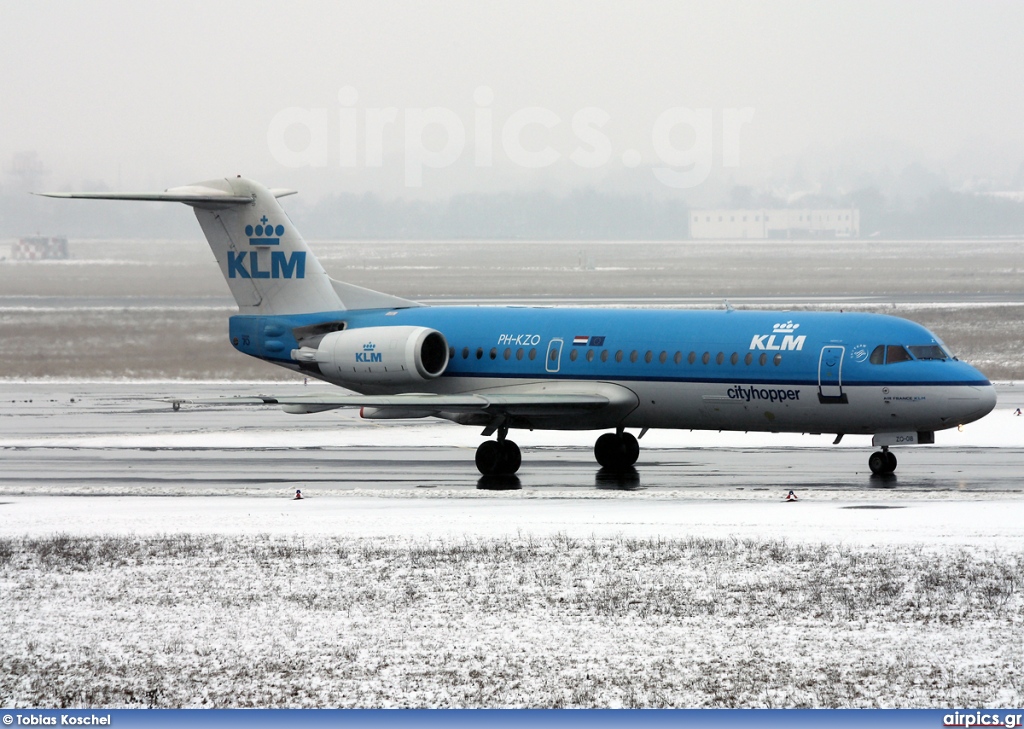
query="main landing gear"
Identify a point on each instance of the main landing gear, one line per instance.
(617, 450)
(499, 457)
(882, 462)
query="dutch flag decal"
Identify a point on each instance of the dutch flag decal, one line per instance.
(580, 340)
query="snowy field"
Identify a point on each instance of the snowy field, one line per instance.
(204, 620)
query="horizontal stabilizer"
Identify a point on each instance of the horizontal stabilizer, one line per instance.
(195, 195)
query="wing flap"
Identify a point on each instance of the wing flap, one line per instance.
(512, 404)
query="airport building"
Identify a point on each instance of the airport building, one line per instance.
(40, 248)
(775, 223)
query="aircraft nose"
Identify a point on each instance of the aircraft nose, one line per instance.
(974, 404)
(988, 399)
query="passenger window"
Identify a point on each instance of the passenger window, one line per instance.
(777, 360)
(573, 354)
(465, 353)
(508, 353)
(692, 358)
(763, 359)
(494, 353)
(519, 353)
(634, 356)
(554, 354)
(479, 353)
(878, 355)
(720, 358)
(735, 358)
(451, 352)
(896, 353)
(618, 356)
(748, 359)
(604, 355)
(533, 354)
(706, 357)
(663, 357)
(649, 356)
(678, 359)
(590, 355)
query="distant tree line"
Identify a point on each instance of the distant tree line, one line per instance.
(940, 214)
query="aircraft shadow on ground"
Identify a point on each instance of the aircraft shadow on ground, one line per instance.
(500, 482)
(883, 480)
(617, 479)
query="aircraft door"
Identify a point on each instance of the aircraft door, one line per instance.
(830, 375)
(554, 357)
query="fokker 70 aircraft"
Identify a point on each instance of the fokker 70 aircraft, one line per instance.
(509, 367)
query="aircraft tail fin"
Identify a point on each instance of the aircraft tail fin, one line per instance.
(265, 261)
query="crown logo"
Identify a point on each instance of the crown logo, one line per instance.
(264, 234)
(788, 328)
(369, 347)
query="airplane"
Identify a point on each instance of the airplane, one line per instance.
(504, 368)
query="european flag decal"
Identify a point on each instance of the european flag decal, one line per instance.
(597, 341)
(264, 234)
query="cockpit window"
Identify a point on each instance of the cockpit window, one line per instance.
(896, 353)
(890, 354)
(929, 351)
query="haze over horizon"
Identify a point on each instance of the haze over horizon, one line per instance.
(828, 97)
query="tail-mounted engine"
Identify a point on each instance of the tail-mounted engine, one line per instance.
(383, 355)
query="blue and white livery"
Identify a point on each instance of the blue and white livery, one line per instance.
(505, 368)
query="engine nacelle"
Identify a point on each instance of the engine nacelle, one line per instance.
(384, 355)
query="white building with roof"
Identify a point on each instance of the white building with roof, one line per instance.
(775, 223)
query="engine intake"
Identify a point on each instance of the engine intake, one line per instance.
(383, 355)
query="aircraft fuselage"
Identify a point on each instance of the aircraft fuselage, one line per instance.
(728, 369)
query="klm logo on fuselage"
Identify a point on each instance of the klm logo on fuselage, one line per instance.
(283, 264)
(368, 354)
(783, 338)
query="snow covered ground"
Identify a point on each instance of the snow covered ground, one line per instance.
(989, 522)
(524, 621)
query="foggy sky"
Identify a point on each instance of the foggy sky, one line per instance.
(146, 96)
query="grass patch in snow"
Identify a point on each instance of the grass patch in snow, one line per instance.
(218, 621)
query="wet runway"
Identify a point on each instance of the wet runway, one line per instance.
(109, 438)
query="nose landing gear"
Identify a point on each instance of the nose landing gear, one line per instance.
(882, 462)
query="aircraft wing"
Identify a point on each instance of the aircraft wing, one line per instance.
(427, 404)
